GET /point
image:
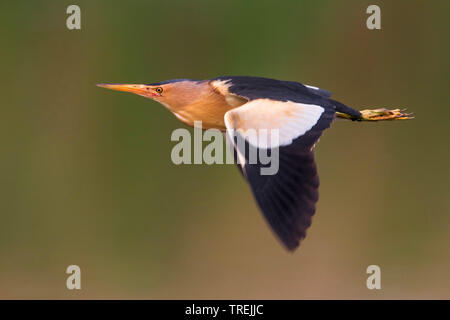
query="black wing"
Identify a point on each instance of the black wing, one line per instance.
(287, 198)
(258, 87)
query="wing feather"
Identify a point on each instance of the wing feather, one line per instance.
(287, 198)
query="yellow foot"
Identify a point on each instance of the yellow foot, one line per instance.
(385, 114)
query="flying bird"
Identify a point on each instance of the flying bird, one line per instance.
(299, 112)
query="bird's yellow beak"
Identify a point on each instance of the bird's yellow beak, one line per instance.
(140, 89)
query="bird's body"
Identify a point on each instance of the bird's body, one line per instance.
(297, 113)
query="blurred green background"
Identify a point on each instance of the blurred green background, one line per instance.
(86, 176)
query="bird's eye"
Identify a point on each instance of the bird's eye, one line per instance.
(159, 90)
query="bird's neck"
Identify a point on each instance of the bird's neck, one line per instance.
(208, 106)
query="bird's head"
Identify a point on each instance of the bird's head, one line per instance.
(173, 94)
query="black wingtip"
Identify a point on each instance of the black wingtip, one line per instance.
(287, 199)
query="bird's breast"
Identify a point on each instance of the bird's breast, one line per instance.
(210, 110)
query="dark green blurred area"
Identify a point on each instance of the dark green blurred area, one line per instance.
(86, 176)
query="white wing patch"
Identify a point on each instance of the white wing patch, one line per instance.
(266, 123)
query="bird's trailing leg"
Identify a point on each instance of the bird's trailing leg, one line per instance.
(378, 115)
